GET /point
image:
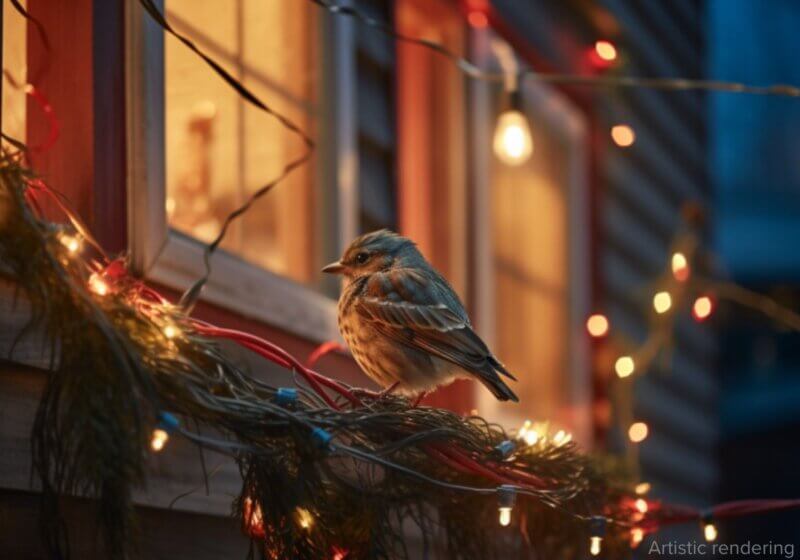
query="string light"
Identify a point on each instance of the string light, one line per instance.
(597, 530)
(641, 505)
(702, 308)
(597, 325)
(478, 19)
(623, 135)
(98, 285)
(638, 432)
(642, 488)
(167, 423)
(304, 518)
(532, 434)
(512, 138)
(605, 50)
(709, 530)
(72, 243)
(159, 439)
(171, 331)
(637, 535)
(562, 438)
(680, 267)
(662, 302)
(624, 366)
(506, 496)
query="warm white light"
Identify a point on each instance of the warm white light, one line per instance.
(597, 325)
(710, 532)
(641, 505)
(624, 366)
(642, 488)
(71, 242)
(637, 535)
(623, 135)
(594, 546)
(662, 302)
(561, 438)
(159, 439)
(304, 518)
(512, 138)
(505, 516)
(638, 432)
(702, 308)
(98, 285)
(171, 331)
(606, 50)
(680, 267)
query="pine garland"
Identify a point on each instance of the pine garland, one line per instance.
(325, 471)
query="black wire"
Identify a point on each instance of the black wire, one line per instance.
(472, 70)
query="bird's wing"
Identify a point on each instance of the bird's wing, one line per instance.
(421, 310)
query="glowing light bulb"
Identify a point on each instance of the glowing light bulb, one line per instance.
(624, 366)
(505, 516)
(597, 325)
(171, 331)
(561, 438)
(641, 505)
(637, 535)
(478, 19)
(512, 138)
(71, 242)
(594, 545)
(523, 431)
(680, 267)
(702, 308)
(710, 532)
(304, 518)
(623, 135)
(98, 285)
(638, 432)
(642, 488)
(606, 50)
(662, 302)
(159, 439)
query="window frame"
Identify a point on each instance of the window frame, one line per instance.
(173, 259)
(574, 125)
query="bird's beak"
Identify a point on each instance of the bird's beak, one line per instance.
(334, 268)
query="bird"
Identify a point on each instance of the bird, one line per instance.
(404, 324)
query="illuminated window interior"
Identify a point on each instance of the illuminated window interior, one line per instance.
(531, 247)
(220, 149)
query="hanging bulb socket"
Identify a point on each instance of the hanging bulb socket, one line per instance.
(506, 497)
(513, 143)
(597, 530)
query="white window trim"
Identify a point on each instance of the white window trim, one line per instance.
(175, 260)
(567, 118)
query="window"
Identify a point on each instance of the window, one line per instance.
(197, 151)
(14, 61)
(219, 148)
(532, 258)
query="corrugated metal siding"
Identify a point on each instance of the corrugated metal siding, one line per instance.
(645, 187)
(377, 145)
(642, 191)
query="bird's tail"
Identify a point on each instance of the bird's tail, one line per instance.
(496, 385)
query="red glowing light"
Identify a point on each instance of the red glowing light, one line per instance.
(478, 19)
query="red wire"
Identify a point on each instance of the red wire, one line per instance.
(322, 350)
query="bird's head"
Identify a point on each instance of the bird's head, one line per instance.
(375, 252)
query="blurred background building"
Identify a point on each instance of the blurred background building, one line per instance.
(155, 151)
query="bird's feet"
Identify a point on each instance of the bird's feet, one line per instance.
(377, 395)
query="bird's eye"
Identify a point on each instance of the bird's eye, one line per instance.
(362, 257)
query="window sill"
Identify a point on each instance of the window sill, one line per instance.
(250, 291)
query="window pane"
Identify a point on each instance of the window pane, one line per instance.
(220, 149)
(14, 62)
